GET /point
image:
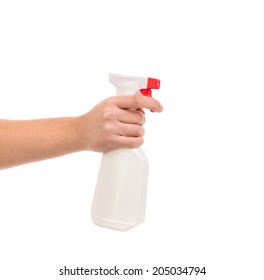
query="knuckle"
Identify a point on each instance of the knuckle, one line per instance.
(109, 113)
(143, 119)
(139, 142)
(140, 131)
(137, 100)
(106, 128)
(128, 142)
(136, 142)
(110, 100)
(140, 118)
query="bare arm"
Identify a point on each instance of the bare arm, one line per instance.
(109, 125)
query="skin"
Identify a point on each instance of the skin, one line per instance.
(116, 122)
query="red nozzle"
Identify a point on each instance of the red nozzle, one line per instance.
(152, 84)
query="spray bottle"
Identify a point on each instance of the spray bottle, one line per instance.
(121, 190)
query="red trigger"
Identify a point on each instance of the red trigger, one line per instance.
(146, 92)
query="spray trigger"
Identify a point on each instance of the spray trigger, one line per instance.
(146, 92)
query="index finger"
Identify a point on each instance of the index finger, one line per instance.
(138, 101)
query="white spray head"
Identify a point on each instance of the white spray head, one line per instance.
(129, 85)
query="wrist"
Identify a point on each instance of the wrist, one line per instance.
(74, 129)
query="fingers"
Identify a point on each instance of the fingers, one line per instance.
(130, 130)
(132, 117)
(117, 122)
(138, 101)
(130, 136)
(128, 142)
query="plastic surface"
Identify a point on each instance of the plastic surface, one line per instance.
(153, 83)
(121, 190)
(146, 92)
(129, 85)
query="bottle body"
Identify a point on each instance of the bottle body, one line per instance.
(121, 189)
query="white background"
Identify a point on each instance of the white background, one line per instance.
(205, 201)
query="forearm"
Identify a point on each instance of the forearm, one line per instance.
(33, 140)
(109, 125)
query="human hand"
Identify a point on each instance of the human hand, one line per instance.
(116, 122)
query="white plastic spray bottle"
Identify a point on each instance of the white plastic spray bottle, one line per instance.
(121, 190)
